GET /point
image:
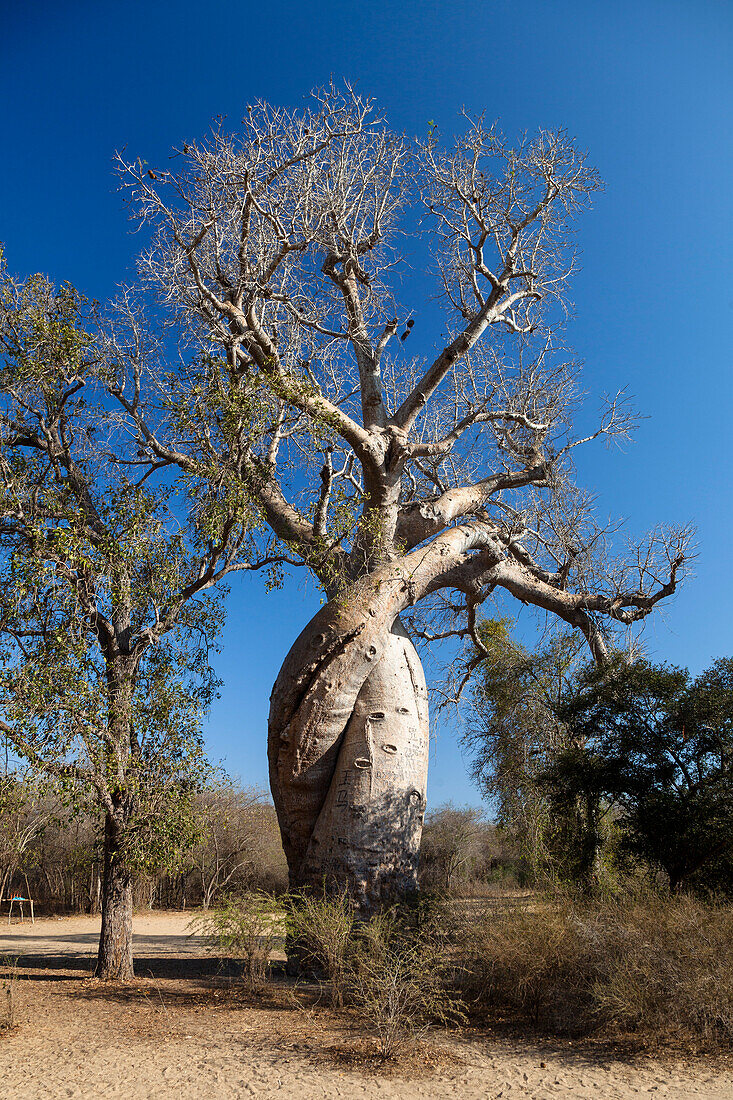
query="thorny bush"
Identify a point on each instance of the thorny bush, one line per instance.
(246, 928)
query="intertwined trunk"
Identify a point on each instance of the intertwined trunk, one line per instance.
(348, 732)
(114, 958)
(348, 748)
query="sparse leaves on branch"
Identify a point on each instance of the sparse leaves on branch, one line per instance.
(274, 246)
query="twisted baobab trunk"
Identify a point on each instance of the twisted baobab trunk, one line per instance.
(348, 748)
(348, 732)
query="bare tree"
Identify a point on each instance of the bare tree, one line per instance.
(403, 484)
(25, 812)
(453, 843)
(233, 828)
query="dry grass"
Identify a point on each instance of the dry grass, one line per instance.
(419, 1060)
(660, 967)
(7, 994)
(320, 930)
(391, 970)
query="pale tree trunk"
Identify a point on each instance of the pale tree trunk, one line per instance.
(114, 958)
(348, 733)
(349, 759)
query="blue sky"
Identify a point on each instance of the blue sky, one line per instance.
(645, 87)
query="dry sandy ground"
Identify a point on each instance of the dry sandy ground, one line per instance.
(182, 1031)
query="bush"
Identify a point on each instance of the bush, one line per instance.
(651, 965)
(247, 928)
(319, 938)
(397, 980)
(462, 853)
(392, 969)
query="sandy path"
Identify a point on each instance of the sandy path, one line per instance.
(196, 1037)
(155, 934)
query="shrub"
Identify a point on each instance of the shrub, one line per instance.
(396, 979)
(392, 969)
(246, 927)
(651, 964)
(319, 938)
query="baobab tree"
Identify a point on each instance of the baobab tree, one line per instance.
(406, 485)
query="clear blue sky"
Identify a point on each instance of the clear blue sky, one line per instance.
(645, 86)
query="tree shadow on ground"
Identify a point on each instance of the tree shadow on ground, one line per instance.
(204, 991)
(75, 956)
(73, 967)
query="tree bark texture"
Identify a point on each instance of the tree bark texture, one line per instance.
(348, 734)
(348, 747)
(114, 958)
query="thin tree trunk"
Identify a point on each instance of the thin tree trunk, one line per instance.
(114, 958)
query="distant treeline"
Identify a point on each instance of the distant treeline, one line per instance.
(54, 854)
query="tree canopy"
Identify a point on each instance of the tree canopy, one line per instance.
(109, 607)
(276, 249)
(659, 744)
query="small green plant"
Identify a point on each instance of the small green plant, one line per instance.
(247, 927)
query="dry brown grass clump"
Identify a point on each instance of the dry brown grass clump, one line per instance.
(320, 931)
(657, 966)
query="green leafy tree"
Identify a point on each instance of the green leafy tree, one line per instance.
(660, 746)
(514, 733)
(108, 595)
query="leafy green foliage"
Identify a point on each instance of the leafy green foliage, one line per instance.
(591, 766)
(111, 592)
(660, 745)
(514, 733)
(247, 928)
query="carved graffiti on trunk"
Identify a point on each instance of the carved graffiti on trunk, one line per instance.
(359, 817)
